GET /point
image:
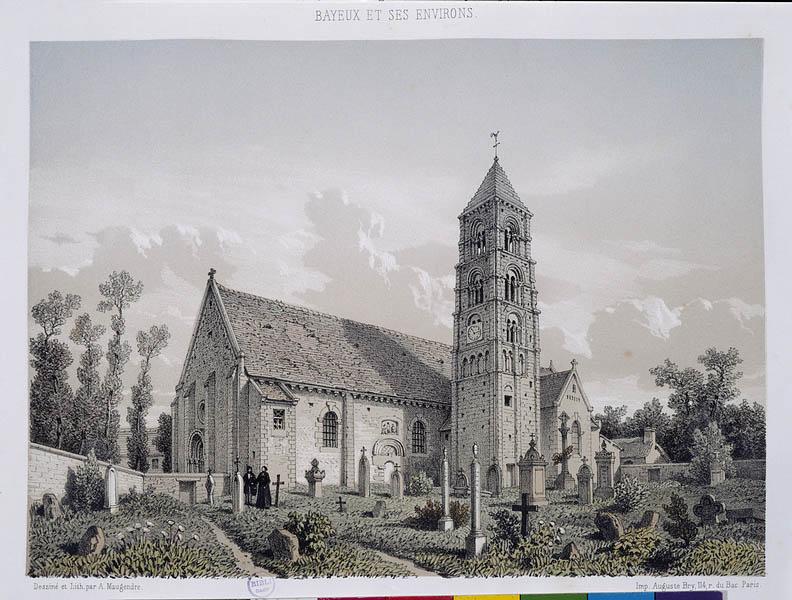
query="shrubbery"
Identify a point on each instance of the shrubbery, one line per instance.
(85, 489)
(709, 446)
(636, 545)
(679, 525)
(428, 515)
(723, 557)
(312, 530)
(629, 494)
(505, 527)
(420, 484)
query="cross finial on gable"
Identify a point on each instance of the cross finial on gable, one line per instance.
(574, 363)
(212, 272)
(495, 135)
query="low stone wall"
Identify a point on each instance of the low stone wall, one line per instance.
(661, 471)
(49, 470)
(755, 468)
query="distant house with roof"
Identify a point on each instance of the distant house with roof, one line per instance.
(641, 450)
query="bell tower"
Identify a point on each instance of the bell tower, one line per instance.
(495, 386)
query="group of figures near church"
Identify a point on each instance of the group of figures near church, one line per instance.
(257, 488)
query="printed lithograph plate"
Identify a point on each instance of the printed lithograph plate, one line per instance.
(391, 299)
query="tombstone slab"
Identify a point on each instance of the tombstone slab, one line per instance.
(605, 462)
(476, 540)
(610, 526)
(379, 511)
(650, 520)
(314, 477)
(51, 507)
(284, 545)
(111, 489)
(532, 475)
(364, 475)
(710, 511)
(461, 485)
(238, 494)
(585, 484)
(92, 541)
(397, 484)
(570, 552)
(445, 523)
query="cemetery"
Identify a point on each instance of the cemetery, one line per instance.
(463, 527)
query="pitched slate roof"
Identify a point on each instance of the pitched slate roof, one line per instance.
(495, 183)
(550, 385)
(296, 344)
(635, 447)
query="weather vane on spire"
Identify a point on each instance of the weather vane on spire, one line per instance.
(495, 135)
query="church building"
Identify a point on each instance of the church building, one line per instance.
(269, 383)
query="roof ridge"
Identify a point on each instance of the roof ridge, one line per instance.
(313, 311)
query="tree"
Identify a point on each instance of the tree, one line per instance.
(709, 448)
(721, 386)
(611, 421)
(686, 386)
(119, 292)
(50, 392)
(87, 399)
(744, 427)
(651, 415)
(162, 441)
(150, 344)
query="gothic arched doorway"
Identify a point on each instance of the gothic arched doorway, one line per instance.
(386, 454)
(195, 463)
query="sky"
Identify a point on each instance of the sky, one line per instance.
(331, 175)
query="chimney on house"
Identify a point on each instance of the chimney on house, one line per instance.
(649, 435)
(551, 368)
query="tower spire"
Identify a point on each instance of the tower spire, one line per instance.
(495, 135)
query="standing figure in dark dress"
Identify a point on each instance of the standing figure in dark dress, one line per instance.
(249, 485)
(264, 499)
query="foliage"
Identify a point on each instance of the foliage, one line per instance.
(312, 530)
(427, 516)
(338, 560)
(679, 525)
(537, 549)
(709, 447)
(637, 544)
(460, 513)
(51, 396)
(150, 344)
(85, 490)
(87, 410)
(611, 421)
(505, 527)
(629, 494)
(723, 557)
(163, 439)
(651, 415)
(118, 293)
(559, 457)
(744, 425)
(420, 484)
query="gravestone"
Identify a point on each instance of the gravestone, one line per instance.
(314, 476)
(570, 552)
(461, 484)
(717, 474)
(445, 523)
(532, 475)
(564, 480)
(379, 511)
(650, 519)
(610, 526)
(238, 492)
(494, 479)
(364, 475)
(210, 488)
(92, 541)
(111, 489)
(524, 509)
(342, 505)
(51, 507)
(710, 511)
(476, 540)
(605, 461)
(397, 484)
(745, 515)
(585, 483)
(284, 545)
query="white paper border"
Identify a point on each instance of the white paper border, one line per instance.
(22, 22)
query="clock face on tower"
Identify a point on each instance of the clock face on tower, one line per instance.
(474, 332)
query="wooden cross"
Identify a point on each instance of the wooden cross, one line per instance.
(277, 485)
(341, 504)
(495, 135)
(524, 508)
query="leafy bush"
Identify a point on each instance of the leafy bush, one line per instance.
(85, 489)
(505, 527)
(420, 484)
(536, 551)
(629, 494)
(312, 530)
(636, 545)
(427, 516)
(708, 447)
(723, 557)
(338, 560)
(679, 524)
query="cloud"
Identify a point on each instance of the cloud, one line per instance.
(60, 239)
(381, 261)
(656, 316)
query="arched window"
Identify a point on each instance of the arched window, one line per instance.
(464, 367)
(473, 319)
(486, 361)
(513, 329)
(419, 438)
(476, 289)
(195, 464)
(576, 438)
(478, 240)
(512, 285)
(511, 362)
(522, 365)
(330, 430)
(511, 237)
(480, 363)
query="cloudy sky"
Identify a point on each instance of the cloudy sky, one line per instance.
(332, 174)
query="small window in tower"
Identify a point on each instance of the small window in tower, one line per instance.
(507, 400)
(279, 419)
(330, 430)
(419, 438)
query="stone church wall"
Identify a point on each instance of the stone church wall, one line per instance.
(310, 411)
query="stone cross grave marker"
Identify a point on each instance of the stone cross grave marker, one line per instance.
(364, 475)
(342, 505)
(524, 509)
(445, 523)
(314, 476)
(277, 485)
(564, 481)
(710, 511)
(476, 539)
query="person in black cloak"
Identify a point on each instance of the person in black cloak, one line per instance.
(249, 485)
(264, 499)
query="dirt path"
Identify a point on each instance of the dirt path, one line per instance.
(244, 561)
(407, 564)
